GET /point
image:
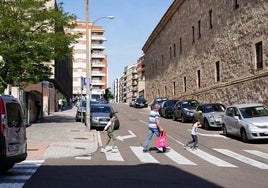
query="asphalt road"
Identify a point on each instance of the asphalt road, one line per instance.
(218, 161)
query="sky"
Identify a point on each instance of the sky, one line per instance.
(134, 21)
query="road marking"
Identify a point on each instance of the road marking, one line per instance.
(242, 158)
(21, 172)
(110, 156)
(258, 153)
(144, 157)
(12, 185)
(178, 158)
(131, 135)
(210, 158)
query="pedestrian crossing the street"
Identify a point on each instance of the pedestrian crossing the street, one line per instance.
(179, 158)
(19, 174)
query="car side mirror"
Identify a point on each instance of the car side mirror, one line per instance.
(237, 117)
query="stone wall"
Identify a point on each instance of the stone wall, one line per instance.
(231, 42)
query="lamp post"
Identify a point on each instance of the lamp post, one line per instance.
(88, 61)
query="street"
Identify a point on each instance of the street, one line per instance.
(72, 159)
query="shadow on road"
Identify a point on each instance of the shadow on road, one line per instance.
(141, 176)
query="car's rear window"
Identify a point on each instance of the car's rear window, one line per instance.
(14, 115)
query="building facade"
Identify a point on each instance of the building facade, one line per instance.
(99, 71)
(212, 51)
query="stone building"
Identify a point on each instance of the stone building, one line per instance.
(212, 51)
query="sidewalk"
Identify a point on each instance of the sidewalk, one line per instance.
(58, 135)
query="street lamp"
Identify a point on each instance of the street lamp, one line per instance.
(88, 61)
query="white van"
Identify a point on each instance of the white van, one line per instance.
(13, 146)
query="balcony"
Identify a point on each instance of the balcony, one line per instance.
(98, 37)
(98, 55)
(97, 83)
(98, 46)
(97, 73)
(134, 83)
(98, 64)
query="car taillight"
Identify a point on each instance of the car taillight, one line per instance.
(2, 118)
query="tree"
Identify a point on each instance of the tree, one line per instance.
(31, 34)
(108, 95)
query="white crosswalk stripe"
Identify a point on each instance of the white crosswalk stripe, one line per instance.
(20, 173)
(242, 158)
(143, 157)
(210, 158)
(113, 156)
(258, 153)
(178, 158)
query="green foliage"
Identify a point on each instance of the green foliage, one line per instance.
(31, 34)
(108, 94)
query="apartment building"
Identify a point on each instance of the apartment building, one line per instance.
(99, 71)
(132, 83)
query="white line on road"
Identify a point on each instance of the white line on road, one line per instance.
(243, 158)
(143, 157)
(258, 153)
(111, 156)
(210, 158)
(178, 158)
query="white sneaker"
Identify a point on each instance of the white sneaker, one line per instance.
(102, 150)
(114, 150)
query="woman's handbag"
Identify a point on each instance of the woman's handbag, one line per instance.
(161, 141)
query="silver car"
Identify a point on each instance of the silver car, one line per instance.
(100, 115)
(210, 114)
(248, 121)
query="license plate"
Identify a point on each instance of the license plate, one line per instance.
(103, 122)
(13, 147)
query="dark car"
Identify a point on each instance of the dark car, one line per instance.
(184, 110)
(166, 109)
(140, 103)
(210, 114)
(158, 100)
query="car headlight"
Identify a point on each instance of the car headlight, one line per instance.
(189, 113)
(95, 118)
(251, 126)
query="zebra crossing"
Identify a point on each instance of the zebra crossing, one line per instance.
(19, 174)
(179, 159)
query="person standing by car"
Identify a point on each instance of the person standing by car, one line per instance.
(110, 133)
(194, 140)
(154, 126)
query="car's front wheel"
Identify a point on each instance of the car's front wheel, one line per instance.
(174, 117)
(244, 135)
(206, 124)
(224, 130)
(183, 120)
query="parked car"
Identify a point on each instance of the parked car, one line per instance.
(184, 110)
(13, 146)
(158, 100)
(166, 109)
(82, 108)
(100, 115)
(131, 102)
(140, 102)
(210, 114)
(248, 121)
